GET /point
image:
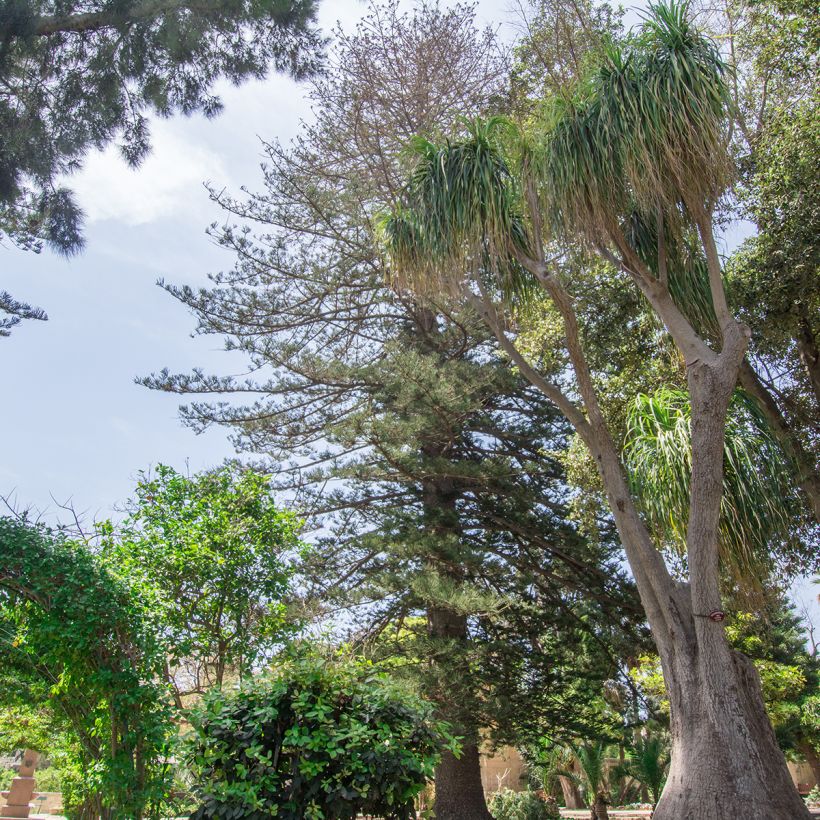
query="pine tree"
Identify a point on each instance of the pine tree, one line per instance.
(408, 439)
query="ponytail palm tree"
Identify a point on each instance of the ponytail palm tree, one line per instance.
(643, 144)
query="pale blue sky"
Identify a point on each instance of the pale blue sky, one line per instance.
(74, 425)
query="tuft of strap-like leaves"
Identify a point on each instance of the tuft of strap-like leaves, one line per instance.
(646, 131)
(462, 213)
(643, 141)
(757, 511)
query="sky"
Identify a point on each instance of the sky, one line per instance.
(74, 427)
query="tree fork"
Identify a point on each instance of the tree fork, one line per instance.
(721, 735)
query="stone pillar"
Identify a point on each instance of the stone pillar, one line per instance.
(18, 797)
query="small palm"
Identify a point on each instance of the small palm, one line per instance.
(648, 763)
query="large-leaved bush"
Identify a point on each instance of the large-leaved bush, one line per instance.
(317, 739)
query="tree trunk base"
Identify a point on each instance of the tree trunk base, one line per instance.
(723, 774)
(459, 793)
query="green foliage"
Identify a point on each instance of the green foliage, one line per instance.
(81, 643)
(760, 509)
(648, 676)
(645, 133)
(591, 775)
(564, 38)
(47, 780)
(779, 265)
(546, 760)
(643, 136)
(319, 738)
(647, 761)
(789, 675)
(773, 276)
(76, 76)
(214, 554)
(428, 466)
(509, 805)
(465, 206)
(14, 311)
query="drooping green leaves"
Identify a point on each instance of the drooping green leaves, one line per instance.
(463, 211)
(759, 501)
(646, 132)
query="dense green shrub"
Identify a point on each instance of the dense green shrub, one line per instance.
(320, 739)
(510, 805)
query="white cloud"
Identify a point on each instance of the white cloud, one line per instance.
(168, 182)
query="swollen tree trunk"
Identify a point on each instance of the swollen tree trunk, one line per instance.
(459, 791)
(726, 764)
(725, 760)
(718, 771)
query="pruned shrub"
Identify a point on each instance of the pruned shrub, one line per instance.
(319, 739)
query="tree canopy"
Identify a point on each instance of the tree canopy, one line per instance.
(413, 449)
(76, 76)
(214, 554)
(631, 167)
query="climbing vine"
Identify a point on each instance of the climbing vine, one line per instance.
(83, 643)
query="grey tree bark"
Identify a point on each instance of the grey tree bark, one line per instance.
(726, 764)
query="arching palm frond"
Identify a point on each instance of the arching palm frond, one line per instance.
(647, 762)
(591, 757)
(757, 511)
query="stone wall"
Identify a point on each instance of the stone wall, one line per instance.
(503, 769)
